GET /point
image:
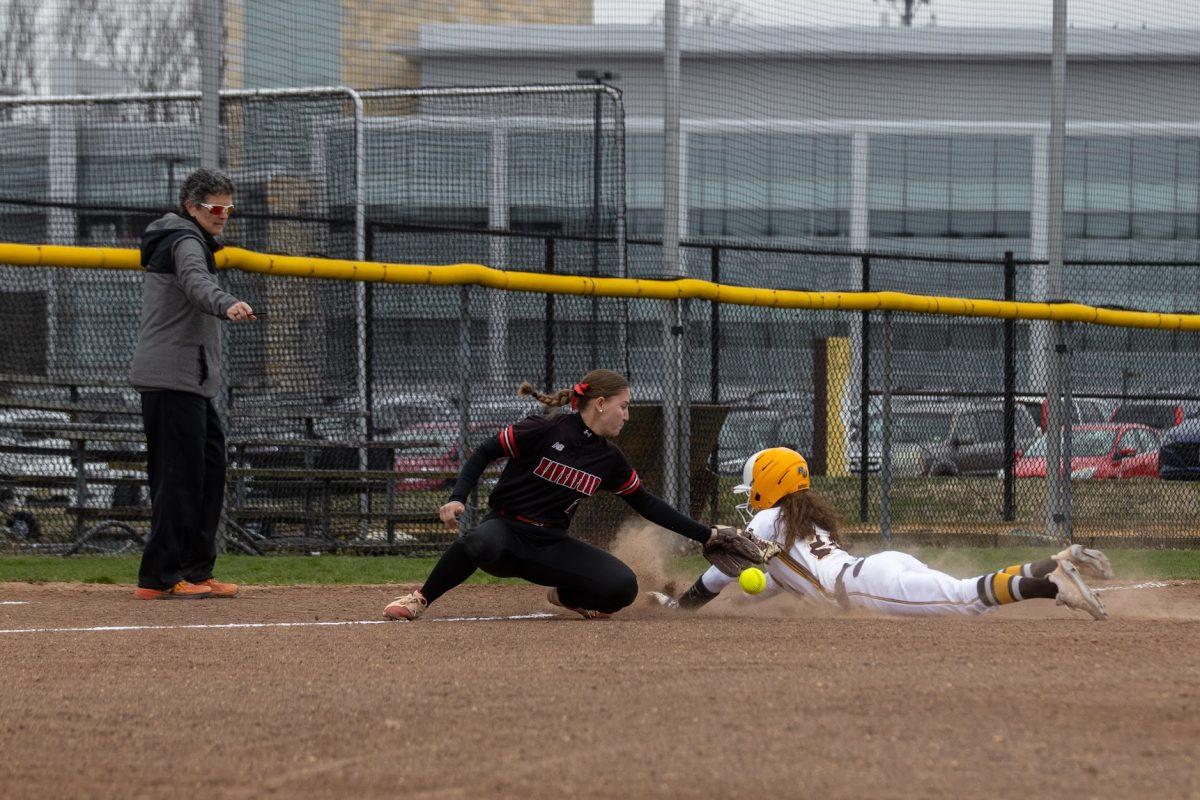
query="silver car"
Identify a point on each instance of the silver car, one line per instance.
(944, 438)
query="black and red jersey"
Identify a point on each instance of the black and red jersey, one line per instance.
(554, 462)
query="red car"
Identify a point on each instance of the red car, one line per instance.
(1100, 450)
(428, 458)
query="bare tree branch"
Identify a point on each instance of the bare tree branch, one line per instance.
(18, 46)
(907, 9)
(709, 13)
(153, 45)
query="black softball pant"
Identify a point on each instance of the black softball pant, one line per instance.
(185, 461)
(585, 576)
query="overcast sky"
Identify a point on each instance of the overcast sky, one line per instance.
(995, 13)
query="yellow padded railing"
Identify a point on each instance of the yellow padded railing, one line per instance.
(512, 281)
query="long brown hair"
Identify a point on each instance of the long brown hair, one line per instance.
(802, 512)
(597, 383)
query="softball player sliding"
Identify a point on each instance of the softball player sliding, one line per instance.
(813, 564)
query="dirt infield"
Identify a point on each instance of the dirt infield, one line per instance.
(775, 702)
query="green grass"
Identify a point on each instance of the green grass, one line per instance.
(262, 570)
(294, 570)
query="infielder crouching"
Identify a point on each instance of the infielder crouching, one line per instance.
(556, 462)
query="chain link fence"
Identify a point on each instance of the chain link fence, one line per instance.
(921, 428)
(924, 148)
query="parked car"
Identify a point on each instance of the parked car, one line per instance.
(777, 398)
(1103, 450)
(487, 409)
(1154, 413)
(748, 430)
(428, 456)
(944, 438)
(1082, 409)
(34, 429)
(1179, 454)
(393, 411)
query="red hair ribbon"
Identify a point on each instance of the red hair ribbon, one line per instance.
(577, 392)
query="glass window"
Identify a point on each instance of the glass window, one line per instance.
(767, 184)
(1083, 443)
(991, 426)
(1109, 164)
(444, 168)
(889, 170)
(950, 186)
(1155, 164)
(922, 428)
(1108, 225)
(1188, 170)
(1153, 225)
(643, 188)
(794, 434)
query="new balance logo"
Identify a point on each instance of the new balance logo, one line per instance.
(559, 446)
(582, 482)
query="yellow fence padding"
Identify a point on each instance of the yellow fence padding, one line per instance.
(837, 355)
(512, 281)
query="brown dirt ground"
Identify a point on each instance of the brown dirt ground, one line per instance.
(778, 701)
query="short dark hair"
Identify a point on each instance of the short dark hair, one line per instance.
(202, 183)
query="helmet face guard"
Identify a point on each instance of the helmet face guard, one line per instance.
(768, 476)
(743, 508)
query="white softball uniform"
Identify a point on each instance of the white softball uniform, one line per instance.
(890, 582)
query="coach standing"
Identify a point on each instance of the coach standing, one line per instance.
(177, 369)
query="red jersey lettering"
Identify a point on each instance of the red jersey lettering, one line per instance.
(582, 482)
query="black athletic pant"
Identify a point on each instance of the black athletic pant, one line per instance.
(585, 576)
(185, 453)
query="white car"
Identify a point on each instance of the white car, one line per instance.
(33, 428)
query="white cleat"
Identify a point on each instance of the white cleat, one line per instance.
(663, 599)
(408, 607)
(1091, 562)
(1074, 593)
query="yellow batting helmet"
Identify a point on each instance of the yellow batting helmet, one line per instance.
(770, 475)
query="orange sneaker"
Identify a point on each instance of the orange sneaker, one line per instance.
(180, 591)
(220, 589)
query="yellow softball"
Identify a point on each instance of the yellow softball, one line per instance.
(752, 580)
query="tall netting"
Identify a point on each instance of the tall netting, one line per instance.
(544, 167)
(335, 373)
(871, 145)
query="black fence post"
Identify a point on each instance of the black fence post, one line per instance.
(864, 399)
(549, 340)
(1010, 390)
(715, 380)
(369, 349)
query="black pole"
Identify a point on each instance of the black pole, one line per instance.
(1010, 390)
(715, 379)
(597, 155)
(864, 399)
(369, 350)
(597, 165)
(549, 346)
(715, 370)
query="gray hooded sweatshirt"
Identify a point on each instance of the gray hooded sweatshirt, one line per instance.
(183, 304)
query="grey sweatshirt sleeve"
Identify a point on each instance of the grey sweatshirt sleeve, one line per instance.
(193, 277)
